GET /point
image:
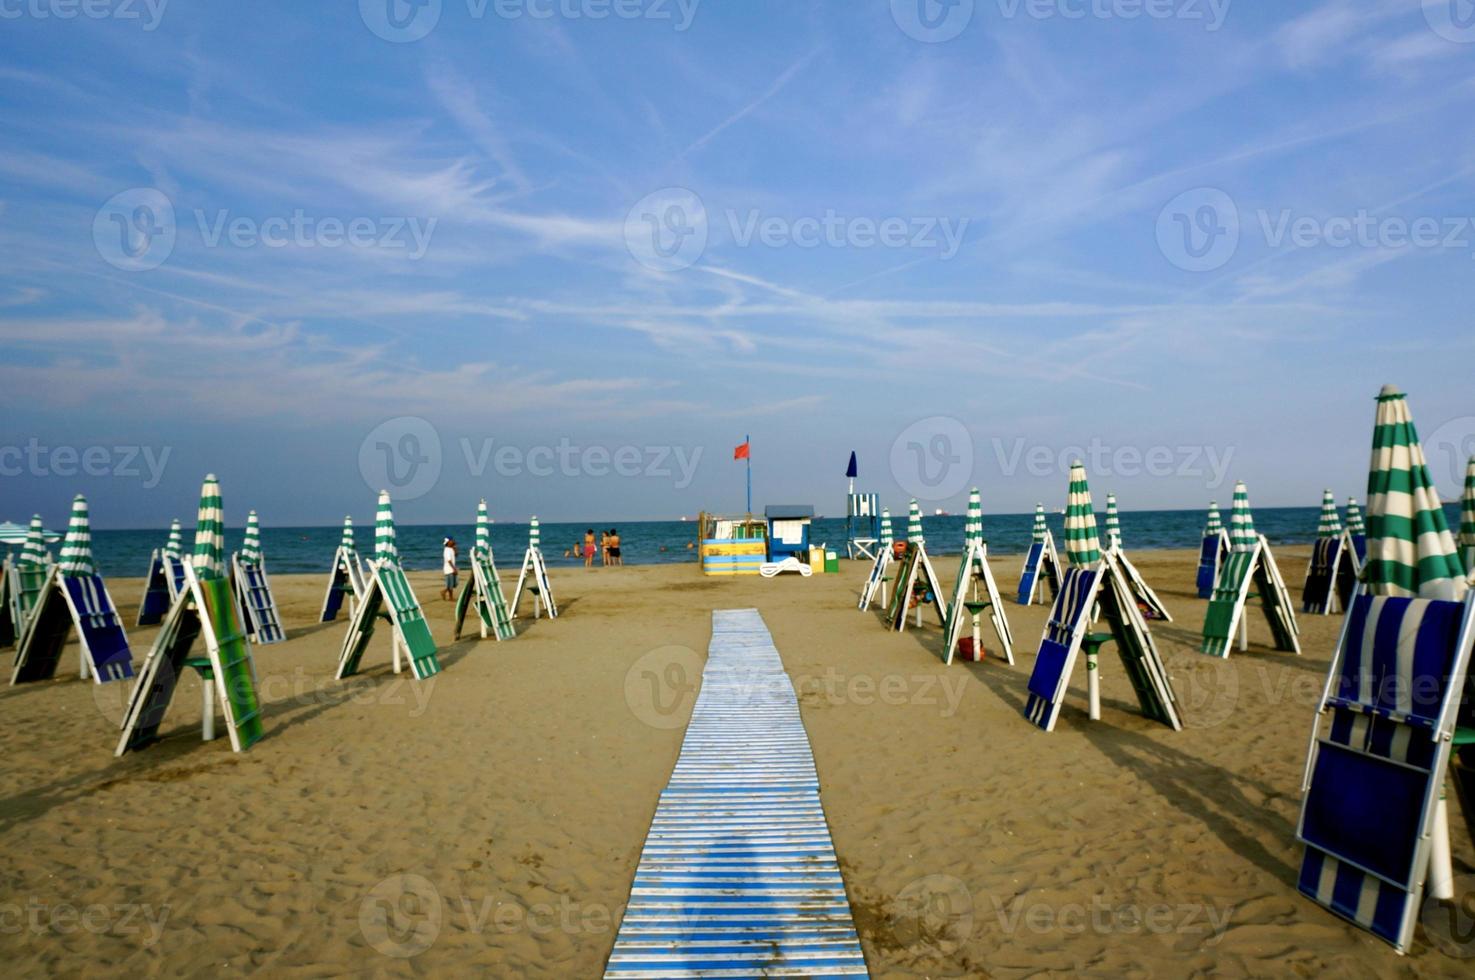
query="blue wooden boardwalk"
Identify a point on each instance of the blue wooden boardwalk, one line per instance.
(738, 877)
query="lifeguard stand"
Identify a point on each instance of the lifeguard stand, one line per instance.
(862, 525)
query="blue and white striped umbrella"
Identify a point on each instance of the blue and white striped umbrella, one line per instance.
(209, 556)
(76, 550)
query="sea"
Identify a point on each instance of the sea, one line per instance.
(311, 549)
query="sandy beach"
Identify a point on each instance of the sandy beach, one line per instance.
(490, 819)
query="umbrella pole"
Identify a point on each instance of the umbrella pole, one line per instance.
(1441, 867)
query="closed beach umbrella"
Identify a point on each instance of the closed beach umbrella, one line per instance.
(209, 557)
(1354, 517)
(1242, 536)
(34, 550)
(76, 550)
(1082, 546)
(1113, 523)
(1410, 550)
(251, 550)
(1467, 518)
(483, 530)
(914, 524)
(1330, 525)
(1038, 532)
(887, 537)
(347, 541)
(973, 527)
(385, 550)
(1216, 523)
(174, 547)
(535, 536)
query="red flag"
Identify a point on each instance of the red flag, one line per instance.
(740, 452)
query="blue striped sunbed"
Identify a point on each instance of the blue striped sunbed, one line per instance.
(258, 606)
(65, 603)
(1040, 561)
(738, 877)
(1211, 554)
(1374, 779)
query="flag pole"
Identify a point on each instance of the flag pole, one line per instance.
(748, 441)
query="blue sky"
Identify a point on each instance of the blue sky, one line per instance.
(1193, 242)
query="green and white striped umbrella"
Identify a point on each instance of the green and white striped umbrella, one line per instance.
(209, 557)
(76, 550)
(1354, 517)
(174, 547)
(973, 527)
(1467, 517)
(1410, 550)
(483, 530)
(1242, 536)
(888, 537)
(346, 543)
(914, 524)
(1038, 532)
(386, 552)
(1216, 523)
(1082, 546)
(251, 549)
(535, 535)
(1330, 525)
(33, 552)
(1113, 523)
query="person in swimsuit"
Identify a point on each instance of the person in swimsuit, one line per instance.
(614, 547)
(589, 548)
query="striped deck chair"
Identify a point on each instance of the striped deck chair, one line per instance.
(1141, 660)
(205, 608)
(1146, 600)
(916, 578)
(345, 581)
(973, 569)
(25, 588)
(389, 592)
(1225, 618)
(1070, 617)
(258, 609)
(483, 592)
(79, 602)
(535, 574)
(1211, 554)
(1374, 779)
(158, 595)
(879, 567)
(1041, 565)
(8, 623)
(1331, 577)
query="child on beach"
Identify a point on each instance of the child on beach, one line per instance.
(589, 548)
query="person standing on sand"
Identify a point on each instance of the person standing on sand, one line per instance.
(448, 568)
(604, 547)
(615, 558)
(589, 548)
